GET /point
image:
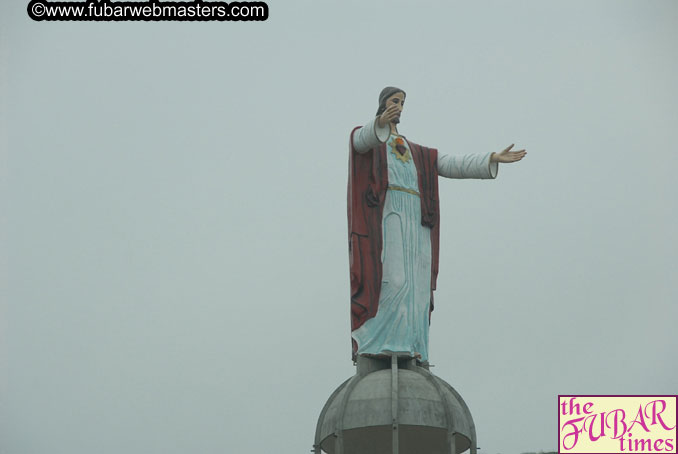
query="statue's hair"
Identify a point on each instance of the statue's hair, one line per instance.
(385, 94)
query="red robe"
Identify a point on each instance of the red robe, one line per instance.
(367, 185)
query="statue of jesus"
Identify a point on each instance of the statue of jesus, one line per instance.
(393, 221)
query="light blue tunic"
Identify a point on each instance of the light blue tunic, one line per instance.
(401, 324)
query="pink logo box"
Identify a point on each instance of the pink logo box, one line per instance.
(607, 424)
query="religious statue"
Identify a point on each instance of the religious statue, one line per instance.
(393, 222)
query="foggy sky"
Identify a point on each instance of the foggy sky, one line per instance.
(174, 254)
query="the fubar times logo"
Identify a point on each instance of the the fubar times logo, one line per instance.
(589, 424)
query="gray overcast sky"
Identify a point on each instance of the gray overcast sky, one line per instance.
(174, 260)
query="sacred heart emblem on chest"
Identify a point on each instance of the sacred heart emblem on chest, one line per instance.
(399, 149)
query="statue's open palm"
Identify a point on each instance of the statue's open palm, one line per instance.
(507, 155)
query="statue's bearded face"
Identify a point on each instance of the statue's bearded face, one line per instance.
(397, 99)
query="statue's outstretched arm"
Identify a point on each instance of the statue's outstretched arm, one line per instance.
(472, 165)
(480, 165)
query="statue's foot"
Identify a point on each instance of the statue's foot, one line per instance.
(386, 354)
(415, 355)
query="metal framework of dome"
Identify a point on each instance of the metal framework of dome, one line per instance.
(394, 407)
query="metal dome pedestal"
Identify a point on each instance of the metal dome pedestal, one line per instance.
(394, 406)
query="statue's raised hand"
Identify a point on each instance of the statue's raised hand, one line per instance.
(391, 113)
(507, 155)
